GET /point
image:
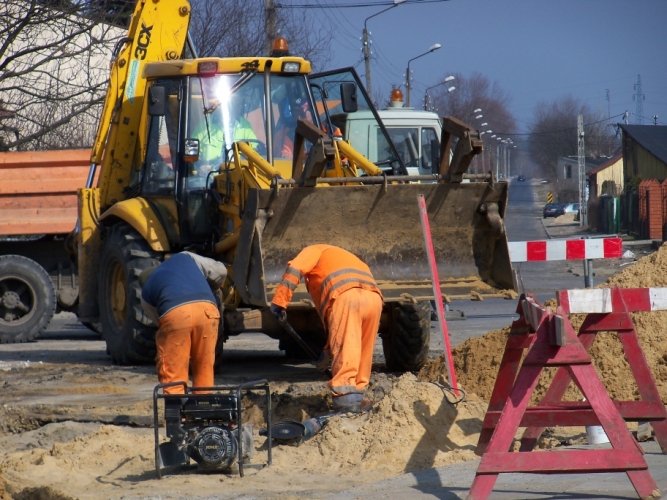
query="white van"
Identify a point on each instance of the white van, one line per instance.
(415, 133)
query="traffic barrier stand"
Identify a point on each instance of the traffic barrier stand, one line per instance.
(584, 249)
(551, 341)
(608, 310)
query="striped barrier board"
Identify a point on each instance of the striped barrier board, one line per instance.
(608, 300)
(574, 249)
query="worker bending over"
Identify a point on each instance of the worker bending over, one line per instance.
(349, 303)
(178, 296)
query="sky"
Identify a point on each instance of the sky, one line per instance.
(537, 51)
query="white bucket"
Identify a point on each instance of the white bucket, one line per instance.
(595, 434)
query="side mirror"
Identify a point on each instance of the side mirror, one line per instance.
(348, 95)
(157, 101)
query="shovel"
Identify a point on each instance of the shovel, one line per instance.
(302, 343)
(297, 338)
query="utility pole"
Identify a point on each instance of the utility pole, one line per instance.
(367, 59)
(608, 103)
(366, 47)
(269, 24)
(639, 97)
(581, 163)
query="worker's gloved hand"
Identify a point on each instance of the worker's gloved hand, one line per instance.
(279, 312)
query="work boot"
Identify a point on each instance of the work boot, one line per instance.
(353, 402)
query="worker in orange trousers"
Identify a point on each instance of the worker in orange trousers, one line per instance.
(349, 303)
(178, 295)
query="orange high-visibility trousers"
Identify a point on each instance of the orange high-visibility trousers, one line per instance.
(353, 321)
(186, 339)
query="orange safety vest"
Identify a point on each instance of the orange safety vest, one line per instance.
(328, 271)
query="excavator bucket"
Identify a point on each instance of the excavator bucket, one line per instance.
(380, 223)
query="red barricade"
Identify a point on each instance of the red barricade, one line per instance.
(551, 341)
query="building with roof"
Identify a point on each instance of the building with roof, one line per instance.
(567, 176)
(607, 179)
(644, 152)
(644, 200)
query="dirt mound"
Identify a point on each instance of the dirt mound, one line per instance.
(414, 426)
(477, 360)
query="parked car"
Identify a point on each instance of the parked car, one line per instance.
(521, 178)
(553, 210)
(571, 208)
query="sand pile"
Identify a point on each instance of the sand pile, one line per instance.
(414, 426)
(477, 360)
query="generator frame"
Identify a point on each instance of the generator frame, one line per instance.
(213, 392)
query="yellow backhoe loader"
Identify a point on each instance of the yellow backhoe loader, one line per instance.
(241, 159)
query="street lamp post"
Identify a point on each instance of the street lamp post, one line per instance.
(477, 114)
(499, 139)
(432, 48)
(366, 45)
(451, 88)
(481, 134)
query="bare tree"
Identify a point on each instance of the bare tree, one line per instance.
(53, 73)
(239, 30)
(474, 93)
(553, 133)
(55, 54)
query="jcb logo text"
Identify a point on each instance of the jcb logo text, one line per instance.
(142, 42)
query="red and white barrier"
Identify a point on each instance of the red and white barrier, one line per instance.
(608, 300)
(575, 249)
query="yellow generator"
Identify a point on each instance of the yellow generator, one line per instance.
(242, 159)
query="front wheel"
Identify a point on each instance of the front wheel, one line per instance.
(128, 332)
(27, 299)
(405, 341)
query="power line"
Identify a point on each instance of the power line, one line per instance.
(548, 132)
(343, 27)
(351, 6)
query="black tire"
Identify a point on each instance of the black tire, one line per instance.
(27, 299)
(93, 327)
(406, 341)
(128, 332)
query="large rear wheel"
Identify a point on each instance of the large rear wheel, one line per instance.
(27, 299)
(406, 340)
(129, 334)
